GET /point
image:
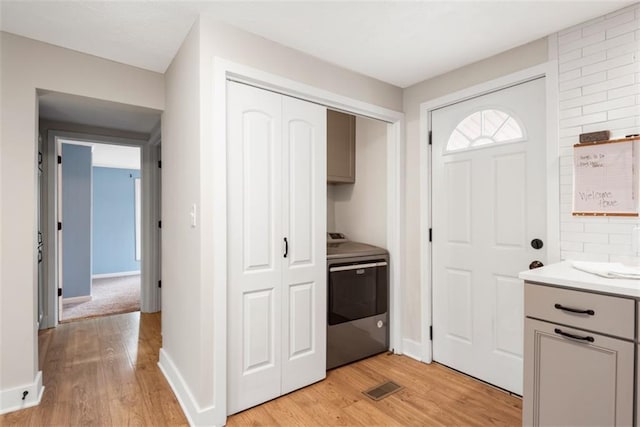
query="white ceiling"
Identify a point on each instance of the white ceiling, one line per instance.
(399, 42)
(94, 112)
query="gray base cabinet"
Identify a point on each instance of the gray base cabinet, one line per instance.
(576, 378)
(581, 348)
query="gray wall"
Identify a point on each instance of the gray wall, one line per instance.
(22, 73)
(76, 220)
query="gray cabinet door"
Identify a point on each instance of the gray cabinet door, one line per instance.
(582, 381)
(341, 147)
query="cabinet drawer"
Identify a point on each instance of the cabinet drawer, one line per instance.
(609, 315)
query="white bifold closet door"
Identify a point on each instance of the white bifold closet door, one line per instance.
(276, 245)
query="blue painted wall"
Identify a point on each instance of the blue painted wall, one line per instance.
(76, 220)
(114, 240)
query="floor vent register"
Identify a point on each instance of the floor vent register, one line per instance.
(383, 390)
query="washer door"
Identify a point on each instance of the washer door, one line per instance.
(357, 291)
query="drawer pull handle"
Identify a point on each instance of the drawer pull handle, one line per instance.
(575, 337)
(575, 310)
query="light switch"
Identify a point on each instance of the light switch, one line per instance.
(193, 215)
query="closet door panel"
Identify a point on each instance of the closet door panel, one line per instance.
(304, 223)
(254, 246)
(301, 192)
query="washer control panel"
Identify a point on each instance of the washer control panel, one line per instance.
(336, 238)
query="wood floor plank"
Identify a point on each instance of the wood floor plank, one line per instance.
(368, 413)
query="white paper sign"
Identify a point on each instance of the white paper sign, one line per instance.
(603, 179)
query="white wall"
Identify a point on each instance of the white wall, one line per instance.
(502, 64)
(185, 323)
(25, 66)
(188, 147)
(599, 89)
(331, 209)
(359, 210)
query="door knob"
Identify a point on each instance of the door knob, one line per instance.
(535, 264)
(537, 244)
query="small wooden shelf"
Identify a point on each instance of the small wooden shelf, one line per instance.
(608, 141)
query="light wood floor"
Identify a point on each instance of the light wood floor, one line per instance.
(433, 395)
(104, 371)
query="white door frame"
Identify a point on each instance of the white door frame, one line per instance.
(549, 70)
(150, 295)
(225, 70)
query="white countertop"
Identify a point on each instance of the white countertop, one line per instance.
(564, 275)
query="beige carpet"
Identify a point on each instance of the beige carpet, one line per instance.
(109, 296)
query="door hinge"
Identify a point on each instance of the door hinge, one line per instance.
(59, 292)
(431, 234)
(159, 224)
(431, 333)
(160, 164)
(159, 283)
(59, 226)
(59, 160)
(430, 138)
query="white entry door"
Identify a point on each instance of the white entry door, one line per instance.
(489, 180)
(276, 245)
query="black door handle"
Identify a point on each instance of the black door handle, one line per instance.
(574, 310)
(535, 264)
(575, 337)
(286, 247)
(537, 244)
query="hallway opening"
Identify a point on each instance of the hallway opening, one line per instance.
(99, 208)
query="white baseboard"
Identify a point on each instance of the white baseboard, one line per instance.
(116, 274)
(11, 399)
(195, 415)
(74, 300)
(412, 348)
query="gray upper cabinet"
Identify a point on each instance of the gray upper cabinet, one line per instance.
(341, 148)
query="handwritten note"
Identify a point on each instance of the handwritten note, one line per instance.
(604, 179)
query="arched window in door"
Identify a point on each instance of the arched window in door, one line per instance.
(485, 127)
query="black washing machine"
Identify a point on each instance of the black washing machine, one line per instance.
(357, 300)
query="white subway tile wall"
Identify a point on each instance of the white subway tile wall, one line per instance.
(599, 89)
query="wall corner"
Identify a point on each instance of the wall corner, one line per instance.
(552, 46)
(210, 416)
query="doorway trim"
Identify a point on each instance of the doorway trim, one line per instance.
(549, 71)
(149, 266)
(226, 70)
